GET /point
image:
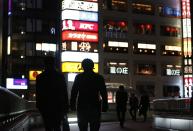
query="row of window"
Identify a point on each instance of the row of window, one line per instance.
(168, 91)
(121, 27)
(142, 8)
(121, 68)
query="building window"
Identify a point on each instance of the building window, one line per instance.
(168, 50)
(170, 31)
(143, 88)
(119, 5)
(140, 8)
(120, 68)
(171, 91)
(115, 47)
(144, 28)
(143, 48)
(166, 11)
(171, 70)
(145, 69)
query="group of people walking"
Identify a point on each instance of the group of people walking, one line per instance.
(88, 98)
(134, 104)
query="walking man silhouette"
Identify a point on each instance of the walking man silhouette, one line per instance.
(51, 96)
(89, 90)
(144, 105)
(121, 104)
(133, 102)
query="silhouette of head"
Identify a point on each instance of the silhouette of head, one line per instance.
(87, 65)
(49, 62)
(121, 87)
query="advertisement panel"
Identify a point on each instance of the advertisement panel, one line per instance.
(79, 15)
(79, 25)
(80, 46)
(12, 83)
(75, 67)
(79, 5)
(33, 74)
(78, 56)
(79, 36)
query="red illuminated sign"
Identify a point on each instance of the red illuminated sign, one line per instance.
(79, 25)
(79, 36)
(185, 8)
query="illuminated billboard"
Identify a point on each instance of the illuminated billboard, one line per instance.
(79, 15)
(33, 74)
(79, 46)
(12, 83)
(79, 36)
(79, 5)
(69, 56)
(75, 67)
(79, 25)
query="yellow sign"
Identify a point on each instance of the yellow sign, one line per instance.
(33, 75)
(75, 67)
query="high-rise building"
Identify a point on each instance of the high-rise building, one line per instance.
(142, 44)
(31, 33)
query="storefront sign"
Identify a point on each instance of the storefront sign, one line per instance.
(79, 15)
(69, 56)
(34, 74)
(75, 67)
(79, 36)
(119, 70)
(12, 83)
(80, 46)
(79, 25)
(173, 72)
(79, 5)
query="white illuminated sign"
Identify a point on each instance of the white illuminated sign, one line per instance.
(118, 70)
(12, 83)
(79, 15)
(69, 56)
(146, 46)
(79, 5)
(46, 47)
(173, 48)
(71, 77)
(117, 44)
(172, 72)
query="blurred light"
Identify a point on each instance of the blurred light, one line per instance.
(8, 45)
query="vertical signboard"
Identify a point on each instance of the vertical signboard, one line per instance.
(79, 20)
(187, 47)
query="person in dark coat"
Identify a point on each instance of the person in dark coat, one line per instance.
(88, 89)
(144, 106)
(133, 102)
(191, 104)
(121, 104)
(51, 96)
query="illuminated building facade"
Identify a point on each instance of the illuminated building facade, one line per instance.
(31, 33)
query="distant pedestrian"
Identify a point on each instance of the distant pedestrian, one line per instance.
(144, 106)
(133, 102)
(88, 91)
(51, 96)
(121, 104)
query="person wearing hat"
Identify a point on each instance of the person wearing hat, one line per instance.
(87, 94)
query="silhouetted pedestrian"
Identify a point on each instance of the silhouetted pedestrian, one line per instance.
(51, 96)
(121, 104)
(133, 102)
(89, 87)
(144, 106)
(191, 104)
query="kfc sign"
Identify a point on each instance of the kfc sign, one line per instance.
(79, 5)
(119, 70)
(79, 15)
(79, 25)
(79, 36)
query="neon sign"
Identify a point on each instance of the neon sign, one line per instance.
(79, 5)
(79, 36)
(79, 15)
(78, 56)
(79, 25)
